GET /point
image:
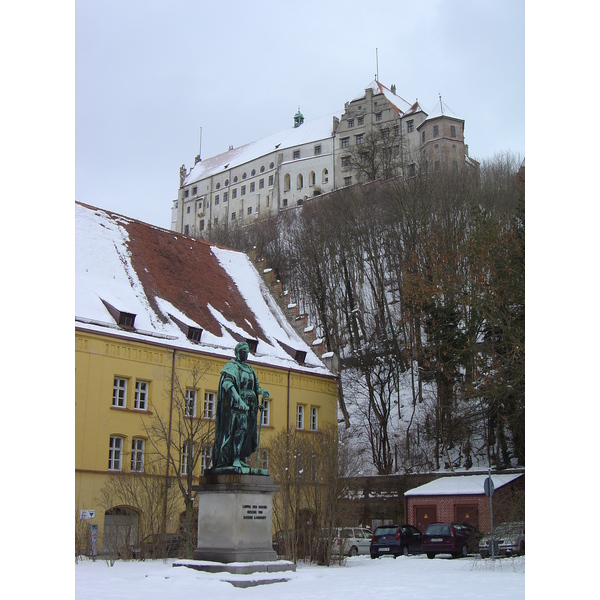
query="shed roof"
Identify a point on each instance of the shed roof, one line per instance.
(461, 485)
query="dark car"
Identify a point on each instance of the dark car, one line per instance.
(395, 540)
(458, 539)
(168, 545)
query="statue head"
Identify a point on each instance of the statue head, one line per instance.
(241, 351)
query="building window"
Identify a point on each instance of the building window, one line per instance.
(410, 126)
(252, 186)
(137, 455)
(299, 182)
(263, 459)
(262, 169)
(225, 196)
(452, 130)
(296, 154)
(119, 398)
(345, 142)
(359, 138)
(364, 156)
(218, 185)
(234, 193)
(115, 453)
(187, 457)
(261, 184)
(436, 131)
(347, 180)
(202, 225)
(206, 458)
(286, 182)
(243, 191)
(350, 123)
(140, 401)
(266, 413)
(233, 216)
(216, 199)
(253, 172)
(312, 178)
(272, 165)
(249, 210)
(299, 416)
(317, 149)
(227, 182)
(188, 210)
(209, 405)
(385, 134)
(271, 180)
(190, 403)
(187, 193)
(325, 176)
(195, 190)
(216, 221)
(423, 137)
(244, 176)
(378, 117)
(361, 121)
(314, 418)
(235, 179)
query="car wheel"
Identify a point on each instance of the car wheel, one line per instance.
(373, 556)
(464, 551)
(405, 551)
(353, 551)
(431, 555)
(483, 554)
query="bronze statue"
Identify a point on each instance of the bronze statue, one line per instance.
(236, 435)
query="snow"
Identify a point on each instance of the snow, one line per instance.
(415, 577)
(462, 484)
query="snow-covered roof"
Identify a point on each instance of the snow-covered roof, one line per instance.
(398, 103)
(171, 282)
(461, 485)
(308, 132)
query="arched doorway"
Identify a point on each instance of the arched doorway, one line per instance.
(120, 531)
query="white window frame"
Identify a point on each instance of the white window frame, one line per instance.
(115, 453)
(138, 446)
(266, 413)
(314, 418)
(185, 457)
(190, 402)
(300, 416)
(209, 405)
(140, 401)
(119, 399)
(206, 458)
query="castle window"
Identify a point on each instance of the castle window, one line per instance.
(452, 131)
(194, 190)
(359, 138)
(361, 121)
(233, 216)
(234, 193)
(317, 149)
(187, 193)
(345, 142)
(119, 397)
(235, 179)
(436, 131)
(410, 126)
(249, 210)
(350, 123)
(299, 182)
(216, 199)
(252, 186)
(347, 180)
(262, 169)
(244, 176)
(225, 196)
(296, 154)
(378, 117)
(243, 191)
(261, 184)
(423, 137)
(253, 172)
(218, 185)
(286, 183)
(271, 180)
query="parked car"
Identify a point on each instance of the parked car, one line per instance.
(458, 539)
(351, 541)
(169, 545)
(395, 540)
(509, 540)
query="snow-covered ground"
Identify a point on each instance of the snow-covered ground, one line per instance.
(414, 577)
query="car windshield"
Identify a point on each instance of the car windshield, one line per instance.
(438, 529)
(386, 531)
(506, 528)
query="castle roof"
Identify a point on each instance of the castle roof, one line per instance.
(307, 132)
(399, 104)
(175, 284)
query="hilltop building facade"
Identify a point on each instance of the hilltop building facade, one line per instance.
(281, 171)
(150, 342)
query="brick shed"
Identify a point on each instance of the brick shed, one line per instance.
(461, 499)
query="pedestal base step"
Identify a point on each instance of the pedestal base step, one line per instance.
(245, 574)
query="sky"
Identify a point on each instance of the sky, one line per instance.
(158, 82)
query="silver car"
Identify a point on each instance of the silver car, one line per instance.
(508, 539)
(351, 541)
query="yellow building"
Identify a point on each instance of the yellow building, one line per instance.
(158, 314)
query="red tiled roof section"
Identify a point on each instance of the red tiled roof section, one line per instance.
(186, 273)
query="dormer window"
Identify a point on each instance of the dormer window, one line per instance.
(192, 333)
(122, 318)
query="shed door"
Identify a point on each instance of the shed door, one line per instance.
(424, 516)
(464, 513)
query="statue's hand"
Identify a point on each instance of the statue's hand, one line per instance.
(265, 394)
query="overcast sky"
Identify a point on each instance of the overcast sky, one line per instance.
(158, 82)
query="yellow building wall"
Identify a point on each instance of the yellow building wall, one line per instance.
(100, 358)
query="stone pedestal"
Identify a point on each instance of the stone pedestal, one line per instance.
(235, 517)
